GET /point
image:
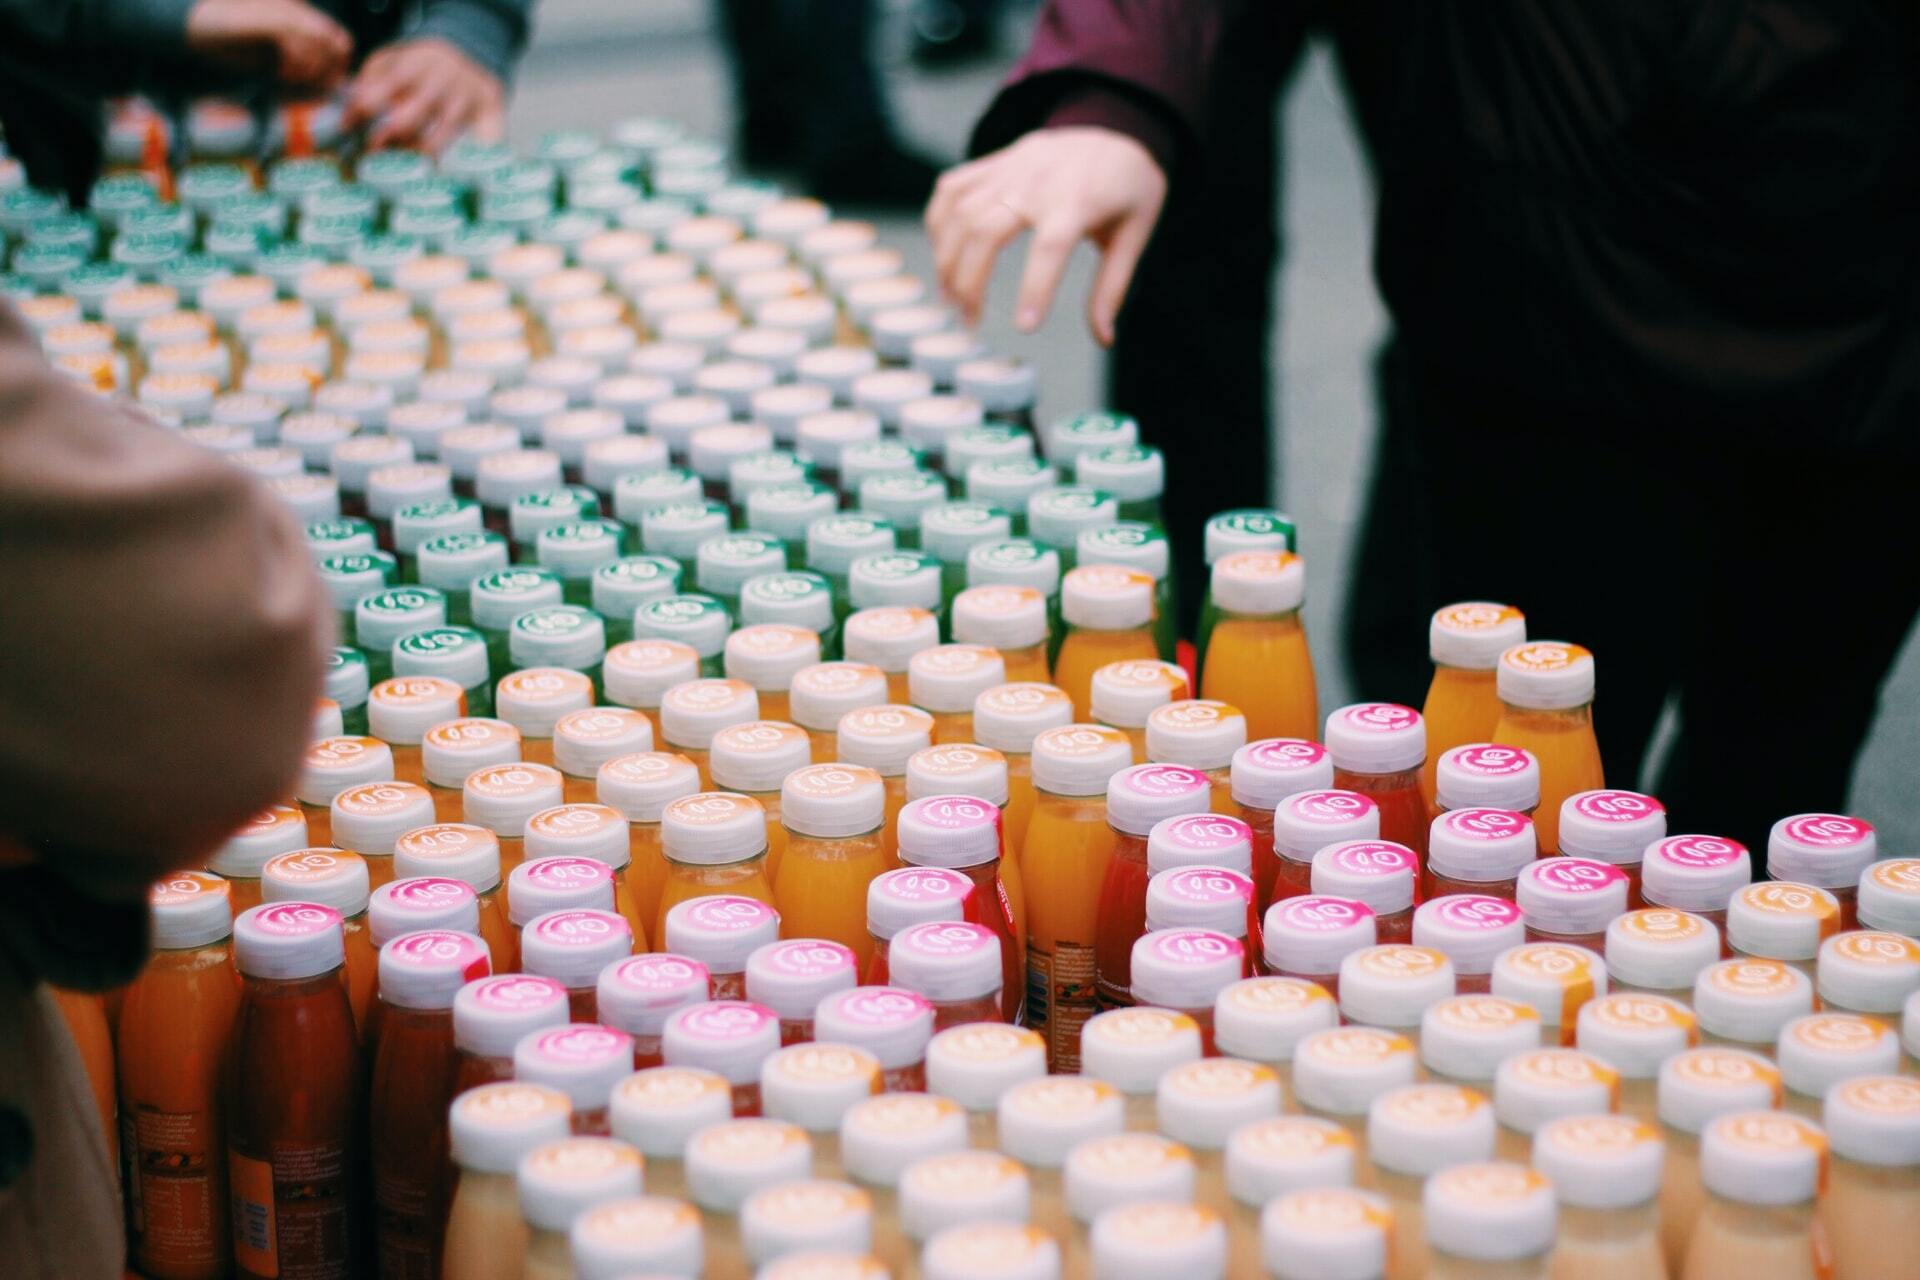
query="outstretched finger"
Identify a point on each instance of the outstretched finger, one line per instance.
(1053, 242)
(371, 90)
(988, 233)
(1117, 265)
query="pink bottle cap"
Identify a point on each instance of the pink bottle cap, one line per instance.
(1200, 840)
(793, 977)
(426, 970)
(915, 895)
(946, 961)
(1268, 771)
(1200, 897)
(1610, 826)
(949, 831)
(492, 1015)
(288, 940)
(1487, 775)
(1143, 794)
(573, 946)
(1571, 895)
(558, 884)
(583, 1060)
(721, 930)
(1312, 933)
(638, 994)
(421, 902)
(1185, 968)
(1471, 928)
(1309, 821)
(1481, 845)
(1379, 873)
(1377, 738)
(1695, 873)
(1825, 849)
(728, 1037)
(892, 1023)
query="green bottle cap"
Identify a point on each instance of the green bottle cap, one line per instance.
(693, 619)
(723, 563)
(24, 206)
(1056, 516)
(340, 536)
(252, 209)
(420, 522)
(903, 498)
(565, 148)
(521, 177)
(388, 173)
(607, 198)
(895, 578)
(1070, 437)
(430, 195)
(191, 272)
(382, 255)
(335, 233)
(1133, 544)
(435, 227)
(835, 542)
(451, 561)
(340, 200)
(236, 242)
(517, 211)
(120, 194)
(1015, 562)
(91, 282)
(458, 654)
(629, 582)
(470, 161)
(949, 529)
(285, 263)
(383, 617)
(561, 635)
(499, 597)
(76, 229)
(1130, 472)
(532, 513)
(169, 218)
(298, 178)
(45, 264)
(349, 577)
(203, 184)
(346, 680)
(1248, 529)
(994, 442)
(568, 228)
(479, 242)
(798, 599)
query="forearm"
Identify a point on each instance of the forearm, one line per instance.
(491, 32)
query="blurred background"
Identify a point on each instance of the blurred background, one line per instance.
(595, 61)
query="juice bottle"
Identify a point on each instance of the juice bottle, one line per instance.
(1324, 1233)
(585, 740)
(638, 994)
(957, 965)
(492, 1015)
(472, 855)
(754, 759)
(1571, 900)
(424, 902)
(805, 1218)
(945, 679)
(950, 531)
(638, 673)
(1782, 920)
(768, 656)
(887, 638)
(1255, 654)
(1824, 849)
(294, 1123)
(501, 797)
(1553, 979)
(821, 695)
(533, 698)
(1820, 1050)
(1131, 1049)
(1130, 1170)
(1137, 798)
(560, 1181)
(1379, 750)
(834, 542)
(975, 1063)
(721, 931)
(370, 817)
(1485, 775)
(1123, 694)
(658, 1110)
(1465, 642)
(495, 599)
(891, 1023)
(730, 1038)
(1392, 986)
(380, 619)
(1492, 1221)
(452, 562)
(793, 977)
(403, 708)
(1007, 719)
(1636, 1033)
(1379, 874)
(880, 1139)
(1764, 1172)
(273, 831)
(637, 1235)
(1309, 937)
(792, 599)
(1414, 1132)
(451, 751)
(491, 1128)
(1304, 823)
(640, 786)
(1696, 1087)
(330, 766)
(728, 1163)
(831, 815)
(908, 896)
(883, 738)
(413, 1083)
(584, 1060)
(1160, 1238)
(812, 1085)
(971, 1188)
(1211, 898)
(1058, 515)
(1464, 1039)
(1201, 735)
(1284, 1156)
(1109, 614)
(1745, 1003)
(724, 563)
(962, 769)
(1546, 708)
(1871, 1122)
(1659, 950)
(1471, 929)
(1201, 1105)
(556, 884)
(337, 880)
(1698, 874)
(1200, 840)
(1263, 775)
(715, 842)
(347, 684)
(1264, 1020)
(1615, 827)
(1889, 896)
(176, 1021)
(572, 946)
(591, 833)
(963, 834)
(691, 713)
(1039, 1122)
(1013, 621)
(1866, 972)
(1532, 1088)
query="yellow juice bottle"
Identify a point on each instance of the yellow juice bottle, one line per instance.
(813, 1085)
(975, 1063)
(330, 766)
(726, 1164)
(793, 976)
(1264, 1020)
(657, 1110)
(883, 739)
(1131, 1049)
(833, 816)
(1414, 1132)
(638, 1235)
(691, 713)
(1635, 1033)
(502, 797)
(403, 708)
(887, 637)
(1530, 1089)
(1764, 1173)
(1124, 1170)
(1122, 695)
(1606, 1172)
(1871, 1123)
(944, 680)
(1492, 1221)
(273, 831)
(1281, 1156)
(879, 1140)
(1818, 1051)
(1109, 612)
(591, 833)
(754, 759)
(1465, 642)
(715, 842)
(1013, 621)
(337, 879)
(1339, 1072)
(636, 674)
(491, 1128)
(1326, 1231)
(585, 740)
(822, 694)
(1007, 719)
(1256, 655)
(1546, 708)
(1746, 1003)
(641, 786)
(637, 994)
(560, 1181)
(1200, 734)
(1201, 1105)
(533, 699)
(452, 750)
(768, 655)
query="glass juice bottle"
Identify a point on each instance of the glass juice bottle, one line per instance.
(1200, 1106)
(1464, 1039)
(1131, 1169)
(1007, 719)
(1392, 986)
(503, 797)
(492, 1015)
(883, 739)
(1123, 694)
(1494, 1221)
(659, 1109)
(956, 965)
(1379, 874)
(1327, 1231)
(572, 946)
(730, 1038)
(273, 831)
(1283, 1156)
(330, 766)
(964, 1189)
(1211, 898)
(640, 786)
(1306, 822)
(944, 680)
(1862, 971)
(1039, 1122)
(1109, 612)
(1199, 734)
(1486, 775)
(975, 1063)
(1546, 708)
(887, 637)
(1138, 797)
(1263, 774)
(1571, 900)
(1379, 750)
(1131, 1049)
(1827, 850)
(1636, 1033)
(1696, 873)
(821, 695)
(813, 1085)
(638, 994)
(891, 1023)
(335, 879)
(451, 750)
(793, 977)
(1553, 979)
(400, 709)
(1310, 936)
(1465, 642)
(907, 896)
(767, 656)
(490, 1129)
(1256, 655)
(637, 674)
(1782, 920)
(423, 902)
(1764, 1172)
(585, 740)
(1414, 1132)
(1012, 620)
(1264, 1020)
(880, 1139)
(1871, 1123)
(691, 713)
(1472, 929)
(804, 1219)
(584, 1060)
(961, 833)
(1615, 827)
(1659, 951)
(561, 1181)
(1532, 1088)
(590, 833)
(368, 819)
(754, 759)
(1889, 896)
(715, 843)
(638, 1235)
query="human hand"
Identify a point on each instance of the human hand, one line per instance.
(304, 46)
(1067, 184)
(425, 93)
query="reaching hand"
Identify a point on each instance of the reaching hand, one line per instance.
(308, 49)
(425, 93)
(1066, 184)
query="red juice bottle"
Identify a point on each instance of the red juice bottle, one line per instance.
(1698, 874)
(572, 947)
(421, 902)
(908, 896)
(793, 977)
(1478, 851)
(961, 833)
(1827, 850)
(1309, 935)
(957, 965)
(1571, 900)
(1378, 750)
(1185, 970)
(1263, 774)
(583, 1060)
(891, 1023)
(1307, 822)
(1471, 929)
(1137, 798)
(1377, 872)
(1213, 898)
(638, 994)
(1201, 840)
(564, 883)
(721, 930)
(414, 1081)
(1486, 775)
(492, 1015)
(730, 1038)
(1613, 826)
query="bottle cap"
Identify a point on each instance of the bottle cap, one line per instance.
(894, 579)
(804, 1218)
(1825, 849)
(370, 817)
(1473, 636)
(585, 740)
(1326, 1233)
(1080, 759)
(1392, 985)
(492, 1126)
(1057, 516)
(1419, 1129)
(558, 884)
(1869, 972)
(1700, 1084)
(1203, 1103)
(189, 909)
(1040, 1121)
(1001, 384)
(573, 945)
(1493, 1212)
(273, 831)
(884, 737)
(595, 832)
(1185, 968)
(721, 930)
(1003, 482)
(1010, 717)
(638, 994)
(700, 621)
(976, 1062)
(907, 896)
(1750, 999)
(1467, 1037)
(1283, 1155)
(1265, 582)
(1695, 873)
(949, 831)
(1312, 934)
(533, 699)
(1553, 978)
(1305, 822)
(1875, 1120)
(1611, 826)
(802, 600)
(331, 765)
(958, 768)
(426, 970)
(1141, 795)
(1265, 1018)
(562, 1180)
(421, 902)
(1819, 1050)
(642, 784)
(1763, 1157)
(638, 673)
(977, 1187)
(1014, 562)
(1636, 1033)
(659, 1109)
(1268, 771)
(1126, 1169)
(1068, 438)
(1378, 873)
(452, 561)
(1207, 840)
(757, 756)
(951, 530)
(1660, 948)
(947, 678)
(1198, 733)
(1105, 597)
(1781, 920)
(769, 655)
(824, 693)
(1487, 775)
(728, 1037)
(501, 797)
(381, 618)
(787, 511)
(1376, 738)
(892, 1023)
(882, 1137)
(1532, 1088)
(288, 940)
(813, 1084)
(888, 636)
(402, 709)
(1132, 1048)
(793, 977)
(605, 463)
(1199, 897)
(330, 877)
(1007, 617)
(639, 495)
(1160, 1240)
(1471, 928)
(1568, 895)
(692, 712)
(637, 1235)
(832, 801)
(1545, 675)
(946, 961)
(1890, 896)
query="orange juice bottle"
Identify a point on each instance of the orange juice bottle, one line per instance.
(490, 1129)
(1069, 846)
(1127, 1169)
(451, 751)
(470, 854)
(560, 1182)
(598, 833)
(1414, 1132)
(880, 1139)
(641, 786)
(1871, 1122)
(691, 713)
(1764, 1172)
(1659, 951)
(1304, 823)
(659, 1109)
(637, 1234)
(1326, 1231)
(1123, 694)
(637, 673)
(1615, 827)
(1131, 1049)
(768, 656)
(807, 1218)
(832, 815)
(754, 759)
(1471, 928)
(1160, 1237)
(370, 817)
(1862, 971)
(583, 1060)
(793, 977)
(887, 637)
(822, 694)
(533, 699)
(945, 680)
(176, 1021)
(1285, 1156)
(1264, 1019)
(273, 831)
(1465, 642)
(1606, 1172)
(715, 842)
(400, 710)
(1485, 775)
(1889, 896)
(1379, 874)
(1782, 920)
(1553, 979)
(1006, 719)
(502, 797)
(1256, 654)
(1200, 734)
(975, 1063)
(1532, 1088)
(331, 766)
(424, 902)
(1636, 1034)
(337, 879)
(730, 1038)
(1493, 1221)
(492, 1015)
(571, 946)
(1818, 1051)
(1200, 1105)
(1546, 708)
(1109, 612)
(1699, 874)
(891, 1023)
(1263, 774)
(1011, 619)
(883, 739)
(1378, 750)
(907, 896)
(585, 740)
(1828, 850)
(1696, 1087)
(981, 1189)
(639, 993)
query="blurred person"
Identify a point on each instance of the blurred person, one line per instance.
(1658, 320)
(951, 33)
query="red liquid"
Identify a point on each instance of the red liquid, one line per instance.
(1266, 864)
(1472, 984)
(415, 1074)
(583, 1004)
(911, 1078)
(1438, 886)
(1404, 816)
(1591, 941)
(471, 1071)
(1123, 919)
(952, 1013)
(592, 1123)
(877, 966)
(1635, 901)
(1205, 1018)
(1291, 878)
(729, 986)
(997, 916)
(795, 1031)
(746, 1097)
(646, 1052)
(1397, 927)
(1849, 899)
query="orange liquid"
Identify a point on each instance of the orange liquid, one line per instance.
(319, 827)
(1069, 845)
(821, 890)
(746, 878)
(1262, 666)
(825, 744)
(896, 787)
(1569, 759)
(503, 942)
(243, 893)
(1019, 811)
(447, 804)
(536, 750)
(897, 688)
(406, 763)
(629, 909)
(776, 834)
(1029, 663)
(1084, 652)
(575, 790)
(86, 1019)
(379, 869)
(1462, 707)
(1123, 919)
(774, 705)
(952, 726)
(701, 759)
(646, 873)
(363, 966)
(175, 1027)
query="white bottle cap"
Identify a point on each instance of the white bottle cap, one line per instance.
(729, 1037)
(273, 831)
(948, 678)
(884, 737)
(757, 757)
(492, 1015)
(1467, 1037)
(641, 785)
(950, 831)
(1636, 1033)
(802, 600)
(813, 1084)
(637, 1235)
(426, 970)
(1002, 384)
(991, 1251)
(889, 636)
(1203, 1103)
(1763, 1157)
(1819, 1050)
(1610, 826)
(975, 1187)
(892, 1023)
(946, 961)
(1199, 897)
(1305, 822)
(558, 884)
(831, 801)
(402, 709)
(585, 740)
(1471, 928)
(1376, 738)
(604, 463)
(825, 692)
(1869, 972)
(331, 765)
(713, 828)
(894, 579)
(806, 1217)
(660, 1109)
(562, 1180)
(882, 1137)
(1660, 948)
(491, 1126)
(1781, 919)
(1258, 582)
(512, 473)
(1009, 717)
(794, 976)
(1553, 978)
(1196, 732)
(572, 946)
(1494, 1212)
(1007, 617)
(1264, 1019)
(1185, 968)
(1546, 675)
(1875, 1120)
(421, 902)
(370, 817)
(1079, 759)
(1379, 873)
(1040, 1121)
(1208, 840)
(1601, 1162)
(768, 655)
(1825, 849)
(638, 673)
(1487, 775)
(1341, 1071)
(331, 877)
(1473, 636)
(1132, 1048)
(958, 768)
(637, 994)
(721, 930)
(976, 1062)
(1168, 1239)
(501, 797)
(1105, 597)
(189, 909)
(1312, 934)
(596, 832)
(1125, 1169)
(1392, 985)
(1420, 1129)
(1567, 895)
(908, 896)
(1144, 794)
(1749, 999)
(1531, 1088)
(288, 940)
(1890, 896)
(731, 1160)
(1326, 1233)
(1695, 873)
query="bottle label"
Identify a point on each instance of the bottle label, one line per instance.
(170, 1188)
(1061, 992)
(292, 1212)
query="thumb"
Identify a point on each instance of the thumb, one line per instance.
(1117, 265)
